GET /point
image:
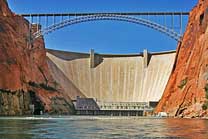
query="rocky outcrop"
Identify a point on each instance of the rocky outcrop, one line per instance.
(24, 75)
(186, 94)
(4, 9)
(14, 103)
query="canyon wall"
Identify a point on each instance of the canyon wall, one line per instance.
(24, 75)
(114, 78)
(186, 93)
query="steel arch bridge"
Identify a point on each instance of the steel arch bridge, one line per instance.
(67, 20)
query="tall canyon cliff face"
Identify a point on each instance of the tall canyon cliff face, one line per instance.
(186, 93)
(24, 75)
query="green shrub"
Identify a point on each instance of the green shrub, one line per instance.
(183, 83)
(204, 107)
(46, 87)
(42, 85)
(33, 84)
(206, 90)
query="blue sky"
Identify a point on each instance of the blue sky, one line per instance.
(105, 36)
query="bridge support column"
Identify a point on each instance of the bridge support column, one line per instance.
(146, 58)
(92, 58)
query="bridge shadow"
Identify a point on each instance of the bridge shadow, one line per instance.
(98, 60)
(68, 56)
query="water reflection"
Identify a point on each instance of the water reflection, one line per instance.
(188, 128)
(76, 127)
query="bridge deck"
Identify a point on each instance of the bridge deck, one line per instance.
(117, 13)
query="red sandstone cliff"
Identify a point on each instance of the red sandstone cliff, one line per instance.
(24, 75)
(185, 93)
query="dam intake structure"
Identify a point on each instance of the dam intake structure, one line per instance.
(108, 84)
(90, 106)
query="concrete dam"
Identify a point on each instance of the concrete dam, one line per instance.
(116, 79)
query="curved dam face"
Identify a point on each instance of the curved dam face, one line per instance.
(112, 78)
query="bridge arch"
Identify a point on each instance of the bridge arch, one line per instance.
(169, 32)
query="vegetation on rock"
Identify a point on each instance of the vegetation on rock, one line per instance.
(42, 85)
(183, 83)
(206, 90)
(205, 106)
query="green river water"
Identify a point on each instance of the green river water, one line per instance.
(85, 127)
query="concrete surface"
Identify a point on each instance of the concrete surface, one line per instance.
(116, 78)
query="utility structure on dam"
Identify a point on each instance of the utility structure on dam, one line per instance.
(107, 84)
